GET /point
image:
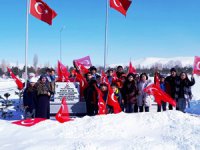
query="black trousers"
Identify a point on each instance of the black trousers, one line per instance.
(142, 108)
(163, 105)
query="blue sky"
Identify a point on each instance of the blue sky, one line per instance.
(152, 28)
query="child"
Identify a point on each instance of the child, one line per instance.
(163, 87)
(118, 95)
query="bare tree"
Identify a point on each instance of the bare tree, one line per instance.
(35, 61)
(3, 65)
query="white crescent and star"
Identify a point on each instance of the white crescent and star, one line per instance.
(36, 8)
(113, 98)
(29, 123)
(198, 65)
(115, 3)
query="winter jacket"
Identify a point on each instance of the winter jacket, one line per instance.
(183, 88)
(119, 96)
(162, 86)
(143, 99)
(130, 91)
(30, 98)
(170, 85)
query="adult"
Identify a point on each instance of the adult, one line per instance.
(30, 99)
(130, 93)
(170, 85)
(43, 98)
(183, 93)
(143, 99)
(120, 71)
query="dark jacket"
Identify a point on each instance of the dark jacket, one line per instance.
(91, 96)
(130, 92)
(183, 88)
(30, 98)
(170, 85)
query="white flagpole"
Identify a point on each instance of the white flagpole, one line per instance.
(106, 36)
(26, 43)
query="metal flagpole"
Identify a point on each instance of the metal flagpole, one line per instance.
(106, 36)
(26, 43)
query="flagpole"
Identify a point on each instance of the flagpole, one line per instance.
(106, 36)
(26, 43)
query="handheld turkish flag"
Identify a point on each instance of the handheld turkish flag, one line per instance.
(196, 68)
(156, 79)
(131, 69)
(159, 95)
(81, 68)
(63, 113)
(104, 78)
(101, 103)
(85, 61)
(120, 5)
(112, 101)
(20, 85)
(63, 74)
(101, 106)
(82, 81)
(42, 11)
(28, 122)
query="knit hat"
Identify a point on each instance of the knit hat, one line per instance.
(172, 69)
(33, 80)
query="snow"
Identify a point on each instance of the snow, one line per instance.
(169, 130)
(160, 62)
(172, 130)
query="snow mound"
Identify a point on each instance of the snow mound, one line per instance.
(167, 130)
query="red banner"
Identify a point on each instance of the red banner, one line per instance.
(85, 61)
(196, 68)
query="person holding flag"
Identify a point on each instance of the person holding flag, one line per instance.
(163, 87)
(183, 92)
(143, 99)
(170, 85)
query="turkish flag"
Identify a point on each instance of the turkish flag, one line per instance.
(101, 103)
(131, 69)
(63, 113)
(196, 68)
(85, 61)
(28, 122)
(112, 101)
(126, 4)
(101, 106)
(63, 74)
(120, 5)
(42, 11)
(159, 94)
(83, 83)
(81, 68)
(156, 79)
(104, 78)
(19, 83)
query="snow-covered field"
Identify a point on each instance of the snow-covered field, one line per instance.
(171, 130)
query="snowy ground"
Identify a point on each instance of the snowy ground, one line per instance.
(171, 130)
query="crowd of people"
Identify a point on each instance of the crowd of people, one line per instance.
(127, 88)
(37, 95)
